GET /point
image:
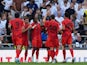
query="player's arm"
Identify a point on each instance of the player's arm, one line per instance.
(29, 27)
(9, 26)
(58, 28)
(33, 26)
(73, 29)
(62, 29)
(44, 19)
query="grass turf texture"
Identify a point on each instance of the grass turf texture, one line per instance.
(84, 63)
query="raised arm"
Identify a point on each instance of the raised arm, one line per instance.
(29, 27)
(44, 19)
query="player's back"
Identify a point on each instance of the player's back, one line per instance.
(52, 28)
(68, 25)
(17, 25)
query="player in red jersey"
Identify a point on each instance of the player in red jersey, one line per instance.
(36, 37)
(17, 26)
(68, 27)
(52, 41)
(25, 35)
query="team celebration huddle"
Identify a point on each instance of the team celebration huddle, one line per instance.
(19, 28)
(43, 30)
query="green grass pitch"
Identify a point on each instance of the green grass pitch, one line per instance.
(84, 63)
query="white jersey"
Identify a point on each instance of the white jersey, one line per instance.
(8, 3)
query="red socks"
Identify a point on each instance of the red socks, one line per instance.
(37, 53)
(56, 52)
(18, 53)
(64, 54)
(33, 51)
(52, 54)
(49, 54)
(25, 57)
(71, 51)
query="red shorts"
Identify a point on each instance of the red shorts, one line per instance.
(25, 39)
(66, 39)
(52, 43)
(37, 43)
(17, 40)
(25, 42)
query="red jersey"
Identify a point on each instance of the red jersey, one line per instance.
(68, 26)
(17, 25)
(36, 36)
(66, 35)
(25, 34)
(52, 28)
(36, 31)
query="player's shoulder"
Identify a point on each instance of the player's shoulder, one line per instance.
(19, 19)
(70, 21)
(56, 23)
(12, 19)
(47, 22)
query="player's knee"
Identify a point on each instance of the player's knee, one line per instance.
(19, 47)
(63, 47)
(70, 46)
(51, 48)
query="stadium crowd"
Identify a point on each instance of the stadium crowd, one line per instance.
(76, 8)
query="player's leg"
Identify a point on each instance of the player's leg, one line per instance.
(26, 53)
(33, 51)
(64, 53)
(71, 48)
(64, 41)
(71, 51)
(52, 53)
(19, 44)
(18, 51)
(37, 54)
(56, 53)
(48, 54)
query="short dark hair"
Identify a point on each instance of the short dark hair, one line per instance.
(52, 17)
(67, 15)
(25, 17)
(17, 15)
(48, 5)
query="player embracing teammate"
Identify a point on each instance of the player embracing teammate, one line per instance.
(52, 42)
(20, 36)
